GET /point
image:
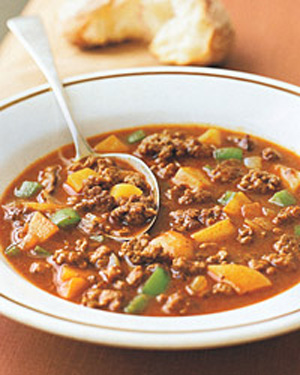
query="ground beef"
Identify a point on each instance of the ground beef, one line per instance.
(100, 257)
(176, 303)
(94, 162)
(134, 211)
(13, 212)
(164, 170)
(245, 142)
(49, 178)
(163, 147)
(209, 216)
(286, 244)
(245, 235)
(287, 215)
(261, 182)
(91, 224)
(226, 171)
(221, 257)
(73, 255)
(221, 288)
(186, 196)
(184, 220)
(261, 265)
(136, 179)
(111, 273)
(103, 298)
(135, 276)
(39, 267)
(270, 154)
(140, 251)
(184, 266)
(284, 260)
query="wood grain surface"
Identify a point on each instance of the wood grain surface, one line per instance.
(267, 43)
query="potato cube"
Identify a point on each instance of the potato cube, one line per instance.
(216, 232)
(125, 191)
(76, 179)
(191, 177)
(233, 207)
(111, 144)
(211, 136)
(175, 244)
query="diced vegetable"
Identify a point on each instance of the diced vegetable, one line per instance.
(98, 238)
(136, 136)
(211, 136)
(65, 218)
(290, 177)
(226, 197)
(73, 287)
(241, 278)
(251, 210)
(297, 230)
(253, 162)
(174, 243)
(234, 206)
(12, 251)
(43, 207)
(113, 261)
(283, 198)
(40, 229)
(157, 282)
(198, 286)
(28, 189)
(76, 179)
(137, 304)
(40, 252)
(67, 273)
(111, 144)
(125, 191)
(216, 232)
(191, 177)
(228, 153)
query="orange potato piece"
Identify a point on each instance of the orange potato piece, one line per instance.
(111, 144)
(76, 179)
(234, 206)
(73, 287)
(216, 232)
(251, 210)
(211, 136)
(241, 278)
(290, 177)
(174, 243)
(125, 191)
(40, 229)
(191, 177)
(67, 273)
(44, 207)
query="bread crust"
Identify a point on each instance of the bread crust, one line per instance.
(179, 32)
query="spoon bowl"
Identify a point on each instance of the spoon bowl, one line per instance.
(31, 33)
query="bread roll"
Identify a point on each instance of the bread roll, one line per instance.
(179, 32)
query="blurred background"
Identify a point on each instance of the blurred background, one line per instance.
(9, 8)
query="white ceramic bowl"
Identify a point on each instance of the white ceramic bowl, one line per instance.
(31, 126)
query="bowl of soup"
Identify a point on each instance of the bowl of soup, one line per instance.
(220, 265)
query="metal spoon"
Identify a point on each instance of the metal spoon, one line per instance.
(31, 33)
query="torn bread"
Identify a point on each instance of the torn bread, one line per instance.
(179, 32)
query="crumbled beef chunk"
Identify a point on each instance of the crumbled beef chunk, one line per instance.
(136, 179)
(164, 146)
(111, 273)
(209, 216)
(270, 154)
(139, 251)
(135, 276)
(49, 178)
(93, 162)
(73, 255)
(221, 257)
(100, 257)
(261, 265)
(103, 298)
(13, 211)
(187, 267)
(246, 235)
(39, 267)
(184, 220)
(176, 303)
(91, 224)
(260, 182)
(284, 260)
(245, 142)
(164, 170)
(186, 196)
(221, 288)
(287, 215)
(134, 211)
(226, 171)
(286, 244)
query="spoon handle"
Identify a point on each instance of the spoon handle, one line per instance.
(31, 33)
